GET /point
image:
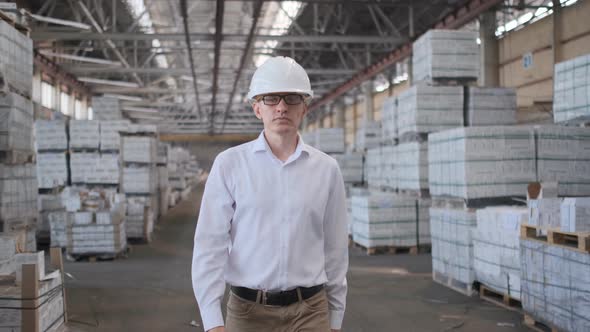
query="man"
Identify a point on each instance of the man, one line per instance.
(272, 222)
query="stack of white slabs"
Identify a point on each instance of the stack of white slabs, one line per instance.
(84, 134)
(451, 232)
(139, 149)
(425, 109)
(443, 54)
(496, 248)
(389, 119)
(571, 91)
(139, 180)
(106, 108)
(351, 166)
(373, 165)
(563, 156)
(481, 162)
(110, 134)
(368, 136)
(490, 106)
(18, 192)
(330, 140)
(384, 219)
(16, 122)
(16, 59)
(411, 166)
(50, 135)
(554, 285)
(52, 170)
(389, 175)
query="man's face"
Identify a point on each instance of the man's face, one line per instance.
(283, 117)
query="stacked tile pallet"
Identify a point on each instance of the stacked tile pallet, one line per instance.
(30, 295)
(22, 271)
(554, 244)
(51, 148)
(178, 159)
(164, 189)
(18, 183)
(139, 180)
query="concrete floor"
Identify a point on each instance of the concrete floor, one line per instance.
(151, 290)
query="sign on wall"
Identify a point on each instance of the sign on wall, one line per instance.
(527, 60)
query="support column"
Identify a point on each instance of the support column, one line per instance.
(369, 115)
(490, 54)
(411, 35)
(339, 109)
(556, 36)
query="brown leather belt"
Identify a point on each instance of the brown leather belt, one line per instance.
(283, 298)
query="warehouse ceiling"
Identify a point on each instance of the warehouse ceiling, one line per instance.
(186, 64)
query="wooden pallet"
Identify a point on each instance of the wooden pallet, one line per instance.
(447, 202)
(16, 157)
(453, 81)
(412, 137)
(537, 325)
(422, 193)
(456, 285)
(500, 299)
(94, 257)
(579, 241)
(391, 250)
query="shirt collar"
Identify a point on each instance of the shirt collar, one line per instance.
(260, 144)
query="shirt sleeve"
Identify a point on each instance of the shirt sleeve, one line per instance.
(336, 249)
(212, 239)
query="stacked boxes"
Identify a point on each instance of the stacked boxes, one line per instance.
(451, 232)
(84, 134)
(110, 138)
(140, 182)
(16, 122)
(51, 145)
(373, 167)
(426, 109)
(444, 54)
(93, 223)
(411, 166)
(18, 194)
(388, 177)
(106, 108)
(490, 106)
(563, 156)
(368, 137)
(13, 303)
(18, 182)
(575, 214)
(16, 59)
(554, 284)
(389, 120)
(481, 162)
(571, 92)
(496, 248)
(384, 219)
(351, 166)
(330, 140)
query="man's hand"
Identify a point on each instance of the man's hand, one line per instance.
(217, 329)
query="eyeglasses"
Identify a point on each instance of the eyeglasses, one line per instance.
(290, 99)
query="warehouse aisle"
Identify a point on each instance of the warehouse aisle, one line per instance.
(151, 290)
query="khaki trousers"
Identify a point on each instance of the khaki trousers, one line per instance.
(309, 315)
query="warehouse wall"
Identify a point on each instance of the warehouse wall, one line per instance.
(535, 84)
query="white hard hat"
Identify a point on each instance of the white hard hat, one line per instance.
(279, 74)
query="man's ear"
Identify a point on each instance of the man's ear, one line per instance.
(256, 108)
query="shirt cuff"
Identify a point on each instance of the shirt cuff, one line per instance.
(336, 318)
(211, 317)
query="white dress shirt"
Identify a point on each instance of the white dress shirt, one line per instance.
(273, 226)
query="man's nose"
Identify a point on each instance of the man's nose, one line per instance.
(281, 106)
